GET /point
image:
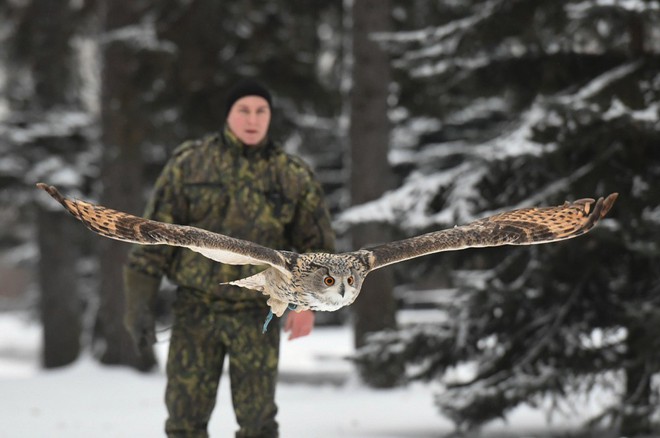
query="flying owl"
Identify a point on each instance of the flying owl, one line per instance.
(321, 281)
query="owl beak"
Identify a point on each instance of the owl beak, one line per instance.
(342, 290)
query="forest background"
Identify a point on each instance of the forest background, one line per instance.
(416, 115)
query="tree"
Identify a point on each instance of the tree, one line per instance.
(509, 104)
(43, 88)
(126, 78)
(369, 138)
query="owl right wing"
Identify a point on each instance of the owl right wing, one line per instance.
(128, 228)
(526, 226)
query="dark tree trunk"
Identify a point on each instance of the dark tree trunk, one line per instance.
(123, 130)
(60, 305)
(370, 170)
(46, 35)
(636, 418)
(637, 36)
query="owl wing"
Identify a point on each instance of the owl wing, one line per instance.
(128, 228)
(525, 226)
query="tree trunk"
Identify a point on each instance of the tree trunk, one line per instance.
(370, 171)
(60, 305)
(123, 130)
(636, 418)
(46, 36)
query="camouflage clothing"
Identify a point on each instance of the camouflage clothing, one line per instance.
(256, 193)
(201, 337)
(259, 194)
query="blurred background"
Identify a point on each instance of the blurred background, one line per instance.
(416, 115)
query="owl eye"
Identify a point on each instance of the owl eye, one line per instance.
(350, 280)
(329, 281)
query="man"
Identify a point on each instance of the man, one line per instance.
(241, 184)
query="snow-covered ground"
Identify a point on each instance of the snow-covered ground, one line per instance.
(319, 396)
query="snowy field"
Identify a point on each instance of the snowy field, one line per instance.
(319, 396)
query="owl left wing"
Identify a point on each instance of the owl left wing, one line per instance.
(526, 226)
(128, 228)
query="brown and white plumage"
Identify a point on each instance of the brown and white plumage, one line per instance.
(321, 281)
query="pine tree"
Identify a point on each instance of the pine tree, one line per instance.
(517, 103)
(45, 133)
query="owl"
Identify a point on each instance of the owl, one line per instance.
(321, 281)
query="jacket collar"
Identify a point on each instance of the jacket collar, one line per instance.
(263, 149)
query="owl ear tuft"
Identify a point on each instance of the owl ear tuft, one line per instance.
(318, 266)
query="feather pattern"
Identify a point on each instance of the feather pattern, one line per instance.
(128, 228)
(527, 226)
(321, 281)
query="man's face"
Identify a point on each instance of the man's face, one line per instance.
(249, 119)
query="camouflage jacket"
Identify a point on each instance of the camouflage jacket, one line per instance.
(258, 193)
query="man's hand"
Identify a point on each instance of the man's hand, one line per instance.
(299, 324)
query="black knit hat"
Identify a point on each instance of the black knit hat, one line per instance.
(246, 87)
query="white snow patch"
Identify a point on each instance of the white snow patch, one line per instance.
(55, 171)
(55, 124)
(579, 10)
(600, 82)
(86, 399)
(651, 214)
(141, 36)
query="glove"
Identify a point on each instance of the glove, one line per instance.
(140, 291)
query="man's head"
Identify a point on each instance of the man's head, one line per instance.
(248, 111)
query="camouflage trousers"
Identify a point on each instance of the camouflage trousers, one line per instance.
(201, 338)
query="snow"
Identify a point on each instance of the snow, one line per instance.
(406, 133)
(411, 200)
(86, 399)
(56, 171)
(55, 124)
(408, 206)
(140, 36)
(440, 33)
(651, 215)
(599, 83)
(617, 109)
(580, 9)
(4, 104)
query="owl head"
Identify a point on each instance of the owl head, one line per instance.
(331, 285)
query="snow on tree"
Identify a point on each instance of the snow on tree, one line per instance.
(508, 104)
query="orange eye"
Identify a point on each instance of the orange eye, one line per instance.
(350, 280)
(329, 281)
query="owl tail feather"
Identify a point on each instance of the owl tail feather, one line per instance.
(258, 282)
